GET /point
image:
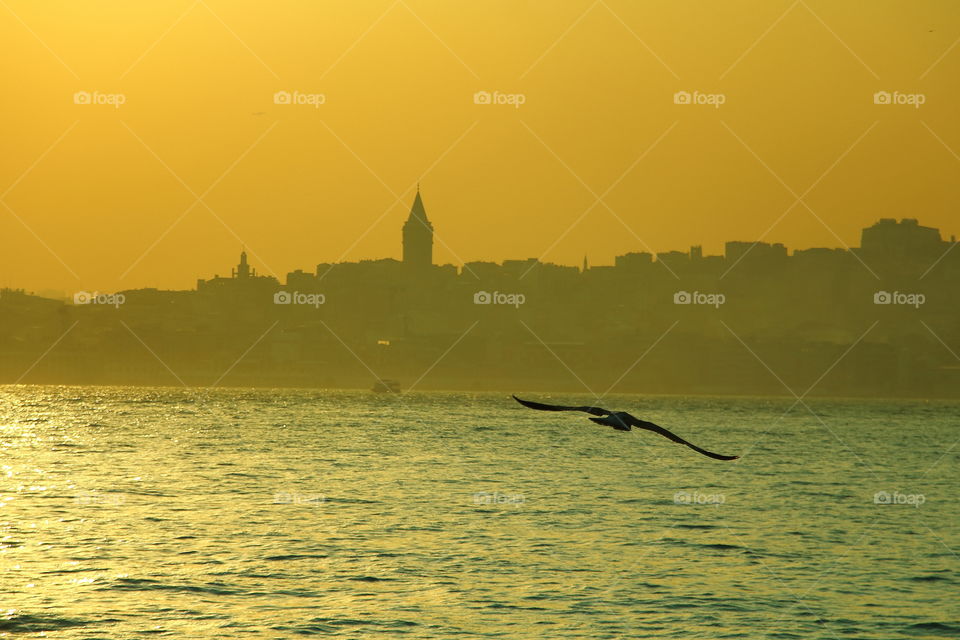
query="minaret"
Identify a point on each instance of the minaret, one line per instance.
(585, 267)
(418, 236)
(243, 269)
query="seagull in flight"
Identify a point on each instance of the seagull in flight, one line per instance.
(622, 421)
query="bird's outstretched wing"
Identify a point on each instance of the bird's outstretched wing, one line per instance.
(595, 411)
(649, 426)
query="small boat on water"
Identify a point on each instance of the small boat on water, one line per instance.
(386, 386)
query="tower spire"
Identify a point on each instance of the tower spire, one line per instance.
(418, 235)
(417, 212)
(243, 269)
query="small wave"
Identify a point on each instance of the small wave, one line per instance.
(136, 584)
(938, 628)
(74, 570)
(142, 492)
(371, 579)
(351, 622)
(296, 593)
(717, 546)
(26, 623)
(250, 574)
(500, 605)
(928, 578)
(297, 556)
(720, 546)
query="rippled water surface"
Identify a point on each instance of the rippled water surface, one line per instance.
(138, 513)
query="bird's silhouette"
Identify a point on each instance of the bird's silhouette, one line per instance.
(622, 421)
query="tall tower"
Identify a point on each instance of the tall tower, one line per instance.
(417, 236)
(242, 270)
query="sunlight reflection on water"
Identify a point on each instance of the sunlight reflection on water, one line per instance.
(272, 514)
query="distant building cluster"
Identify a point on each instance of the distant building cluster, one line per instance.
(879, 319)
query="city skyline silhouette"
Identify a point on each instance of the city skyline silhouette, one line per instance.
(417, 247)
(485, 325)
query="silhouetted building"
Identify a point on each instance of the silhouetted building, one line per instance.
(677, 261)
(242, 277)
(633, 260)
(906, 241)
(417, 236)
(759, 255)
(243, 269)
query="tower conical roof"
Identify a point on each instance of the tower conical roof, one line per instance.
(417, 211)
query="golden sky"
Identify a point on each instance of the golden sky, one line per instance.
(199, 158)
